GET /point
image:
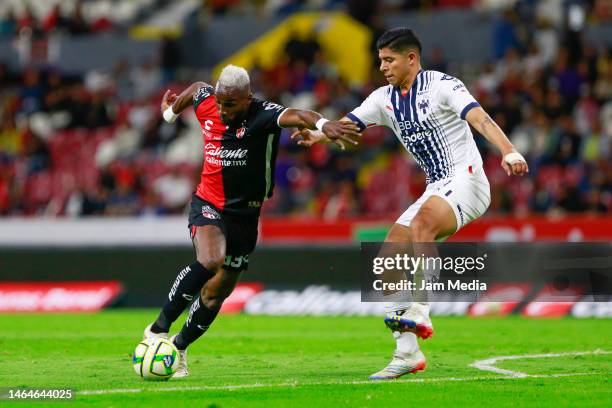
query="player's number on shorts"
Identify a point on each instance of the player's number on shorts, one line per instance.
(236, 261)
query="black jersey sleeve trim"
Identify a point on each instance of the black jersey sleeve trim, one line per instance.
(201, 95)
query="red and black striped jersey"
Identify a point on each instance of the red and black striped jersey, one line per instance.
(239, 160)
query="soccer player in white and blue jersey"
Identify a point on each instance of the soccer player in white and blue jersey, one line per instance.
(430, 113)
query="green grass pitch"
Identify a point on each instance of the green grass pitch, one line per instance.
(259, 361)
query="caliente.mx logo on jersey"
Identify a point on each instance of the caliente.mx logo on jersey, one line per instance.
(220, 156)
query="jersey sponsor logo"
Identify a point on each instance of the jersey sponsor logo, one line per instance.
(221, 156)
(273, 106)
(203, 93)
(446, 77)
(458, 86)
(240, 132)
(414, 137)
(210, 213)
(412, 132)
(207, 130)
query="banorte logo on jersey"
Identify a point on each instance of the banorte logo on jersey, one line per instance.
(220, 156)
(413, 132)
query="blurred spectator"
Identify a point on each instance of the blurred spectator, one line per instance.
(8, 24)
(436, 61)
(302, 48)
(171, 58)
(94, 143)
(504, 34)
(147, 79)
(76, 22)
(362, 10)
(174, 190)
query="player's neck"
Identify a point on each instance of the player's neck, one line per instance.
(407, 84)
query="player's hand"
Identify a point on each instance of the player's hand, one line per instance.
(168, 100)
(514, 164)
(307, 138)
(342, 131)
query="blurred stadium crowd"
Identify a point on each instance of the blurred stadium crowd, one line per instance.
(95, 144)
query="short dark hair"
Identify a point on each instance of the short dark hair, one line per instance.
(399, 39)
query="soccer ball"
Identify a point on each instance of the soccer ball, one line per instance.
(155, 359)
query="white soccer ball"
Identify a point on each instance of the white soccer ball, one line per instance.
(155, 359)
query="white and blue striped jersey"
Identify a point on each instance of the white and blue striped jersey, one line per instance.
(429, 120)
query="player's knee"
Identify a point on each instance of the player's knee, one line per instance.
(423, 229)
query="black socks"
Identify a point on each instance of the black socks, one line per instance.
(199, 320)
(187, 283)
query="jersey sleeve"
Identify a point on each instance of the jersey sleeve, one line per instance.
(453, 93)
(269, 113)
(201, 95)
(369, 113)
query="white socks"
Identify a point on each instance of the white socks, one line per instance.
(405, 343)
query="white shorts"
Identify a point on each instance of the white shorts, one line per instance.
(468, 194)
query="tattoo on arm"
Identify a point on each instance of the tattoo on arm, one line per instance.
(485, 123)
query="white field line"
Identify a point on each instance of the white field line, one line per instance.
(300, 384)
(486, 365)
(489, 363)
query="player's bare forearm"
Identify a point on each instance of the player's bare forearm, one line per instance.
(339, 132)
(481, 121)
(512, 162)
(298, 118)
(183, 101)
(334, 130)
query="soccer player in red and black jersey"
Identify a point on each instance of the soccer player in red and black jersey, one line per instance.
(241, 135)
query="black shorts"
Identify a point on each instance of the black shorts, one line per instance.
(240, 231)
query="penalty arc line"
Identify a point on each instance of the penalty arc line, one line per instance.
(489, 363)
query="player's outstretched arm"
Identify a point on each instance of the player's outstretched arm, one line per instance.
(307, 137)
(512, 161)
(172, 105)
(336, 131)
